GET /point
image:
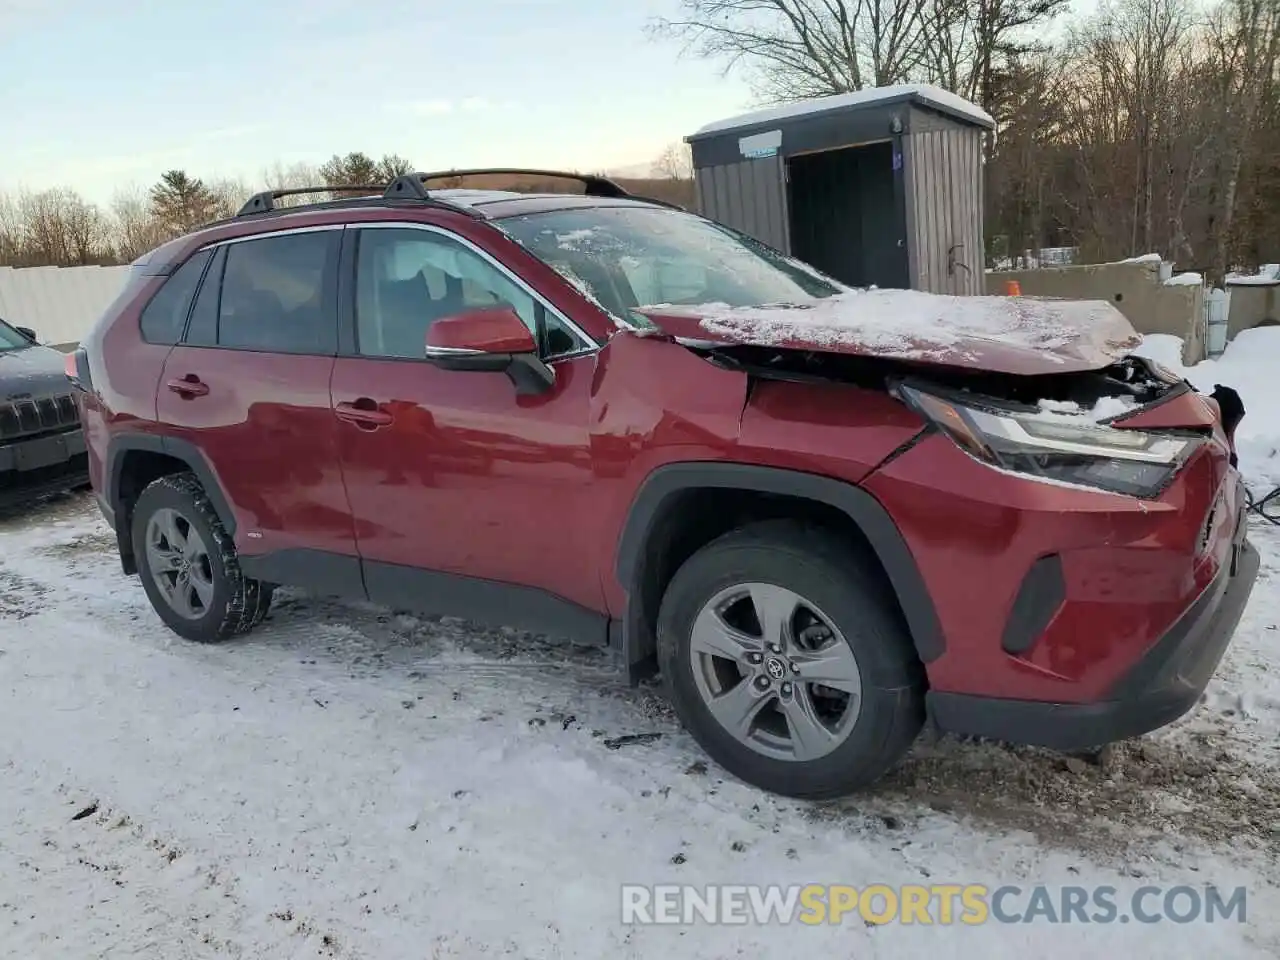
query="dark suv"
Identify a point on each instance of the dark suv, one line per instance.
(41, 445)
(824, 515)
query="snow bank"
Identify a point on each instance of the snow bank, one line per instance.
(924, 92)
(1145, 258)
(1164, 349)
(1251, 366)
(1185, 280)
(1268, 275)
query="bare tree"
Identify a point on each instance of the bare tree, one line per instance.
(297, 176)
(11, 240)
(1126, 62)
(804, 48)
(229, 195)
(59, 228)
(1245, 38)
(88, 232)
(393, 165)
(1023, 184)
(674, 163)
(970, 46)
(1192, 123)
(135, 230)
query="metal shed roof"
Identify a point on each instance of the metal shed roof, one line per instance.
(923, 94)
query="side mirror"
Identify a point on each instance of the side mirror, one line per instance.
(28, 333)
(489, 339)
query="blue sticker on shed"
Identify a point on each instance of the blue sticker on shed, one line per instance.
(760, 145)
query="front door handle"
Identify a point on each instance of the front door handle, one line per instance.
(364, 413)
(188, 386)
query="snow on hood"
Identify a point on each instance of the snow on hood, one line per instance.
(922, 92)
(1023, 335)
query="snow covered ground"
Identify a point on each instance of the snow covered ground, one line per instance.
(354, 783)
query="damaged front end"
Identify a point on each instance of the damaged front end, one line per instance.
(1127, 428)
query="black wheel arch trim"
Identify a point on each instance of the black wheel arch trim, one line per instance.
(859, 505)
(183, 450)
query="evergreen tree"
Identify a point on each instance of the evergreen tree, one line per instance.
(360, 169)
(181, 202)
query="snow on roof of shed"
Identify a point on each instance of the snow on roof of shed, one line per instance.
(921, 93)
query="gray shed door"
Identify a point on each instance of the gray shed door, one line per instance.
(749, 196)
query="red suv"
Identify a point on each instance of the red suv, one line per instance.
(825, 515)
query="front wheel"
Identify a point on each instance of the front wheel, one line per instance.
(786, 662)
(188, 564)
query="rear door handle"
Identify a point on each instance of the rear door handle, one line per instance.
(363, 413)
(188, 386)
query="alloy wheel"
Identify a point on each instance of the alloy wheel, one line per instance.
(178, 559)
(775, 672)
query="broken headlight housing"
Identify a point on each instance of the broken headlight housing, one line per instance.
(1057, 447)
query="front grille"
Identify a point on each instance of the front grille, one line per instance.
(21, 418)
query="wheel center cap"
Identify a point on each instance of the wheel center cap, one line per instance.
(775, 668)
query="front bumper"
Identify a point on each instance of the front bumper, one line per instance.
(33, 467)
(1160, 688)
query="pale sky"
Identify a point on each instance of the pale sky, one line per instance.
(103, 94)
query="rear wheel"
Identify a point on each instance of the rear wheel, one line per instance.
(188, 564)
(786, 662)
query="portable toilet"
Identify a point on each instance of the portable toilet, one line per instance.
(877, 187)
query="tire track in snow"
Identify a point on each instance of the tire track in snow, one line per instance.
(104, 871)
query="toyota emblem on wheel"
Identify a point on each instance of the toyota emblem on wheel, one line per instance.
(777, 669)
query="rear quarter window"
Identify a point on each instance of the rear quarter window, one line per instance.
(165, 316)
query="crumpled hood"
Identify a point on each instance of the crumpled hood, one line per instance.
(1020, 335)
(32, 372)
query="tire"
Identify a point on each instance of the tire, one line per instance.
(226, 603)
(846, 594)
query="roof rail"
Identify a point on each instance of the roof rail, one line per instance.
(265, 201)
(593, 184)
(413, 187)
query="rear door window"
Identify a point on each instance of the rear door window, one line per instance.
(278, 294)
(165, 316)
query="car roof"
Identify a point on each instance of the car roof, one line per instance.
(500, 204)
(480, 204)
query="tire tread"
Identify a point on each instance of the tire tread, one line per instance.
(249, 600)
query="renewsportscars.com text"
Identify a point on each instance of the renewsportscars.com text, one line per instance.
(942, 904)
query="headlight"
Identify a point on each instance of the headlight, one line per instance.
(1056, 446)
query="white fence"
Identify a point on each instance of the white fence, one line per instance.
(59, 303)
